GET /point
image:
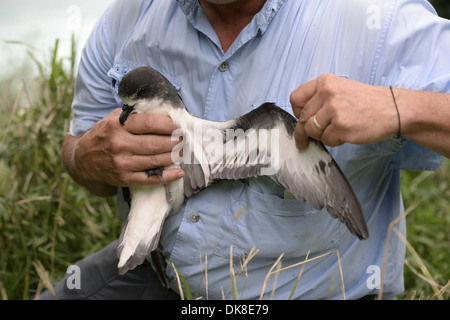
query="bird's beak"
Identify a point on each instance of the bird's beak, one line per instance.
(126, 110)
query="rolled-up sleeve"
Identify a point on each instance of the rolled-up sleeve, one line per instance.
(415, 49)
(94, 97)
(414, 55)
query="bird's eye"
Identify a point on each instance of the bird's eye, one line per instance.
(142, 92)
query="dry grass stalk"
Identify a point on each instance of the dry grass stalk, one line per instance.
(269, 274)
(44, 278)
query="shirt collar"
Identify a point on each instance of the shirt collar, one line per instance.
(262, 18)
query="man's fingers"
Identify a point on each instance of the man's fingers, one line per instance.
(317, 123)
(301, 137)
(302, 95)
(149, 123)
(137, 163)
(148, 144)
(142, 179)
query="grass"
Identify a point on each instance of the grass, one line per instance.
(47, 222)
(427, 266)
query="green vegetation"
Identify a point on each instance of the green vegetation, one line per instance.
(47, 222)
(442, 7)
(427, 267)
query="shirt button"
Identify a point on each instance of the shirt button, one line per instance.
(223, 67)
(194, 217)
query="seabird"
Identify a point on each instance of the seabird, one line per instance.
(260, 143)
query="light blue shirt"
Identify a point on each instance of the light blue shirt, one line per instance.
(380, 42)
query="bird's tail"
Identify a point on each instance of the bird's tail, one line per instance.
(141, 232)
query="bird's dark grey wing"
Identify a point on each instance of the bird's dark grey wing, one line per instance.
(229, 151)
(313, 176)
(262, 143)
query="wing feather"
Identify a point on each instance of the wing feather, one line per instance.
(313, 176)
(262, 143)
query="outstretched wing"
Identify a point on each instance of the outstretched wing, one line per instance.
(313, 176)
(261, 143)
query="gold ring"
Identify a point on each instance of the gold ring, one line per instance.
(316, 124)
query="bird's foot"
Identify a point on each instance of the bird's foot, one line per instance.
(158, 171)
(169, 197)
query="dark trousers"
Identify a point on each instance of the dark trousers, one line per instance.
(99, 280)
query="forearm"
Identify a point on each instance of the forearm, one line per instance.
(425, 118)
(98, 188)
(349, 111)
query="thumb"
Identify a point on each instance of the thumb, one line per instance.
(301, 138)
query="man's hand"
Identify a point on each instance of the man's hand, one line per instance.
(111, 155)
(344, 110)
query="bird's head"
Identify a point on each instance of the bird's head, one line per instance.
(143, 90)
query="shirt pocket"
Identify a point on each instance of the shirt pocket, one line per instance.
(274, 225)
